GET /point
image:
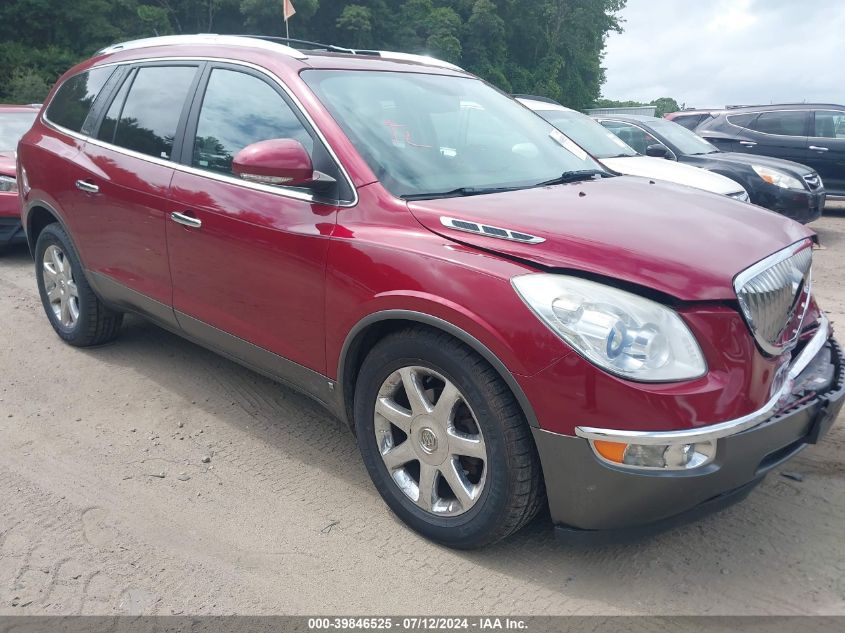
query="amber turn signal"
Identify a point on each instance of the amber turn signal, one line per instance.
(612, 451)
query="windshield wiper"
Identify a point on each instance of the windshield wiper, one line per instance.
(459, 192)
(574, 176)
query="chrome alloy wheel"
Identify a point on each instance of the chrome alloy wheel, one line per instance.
(59, 285)
(430, 441)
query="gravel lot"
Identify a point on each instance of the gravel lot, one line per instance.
(107, 506)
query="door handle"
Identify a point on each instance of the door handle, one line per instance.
(87, 187)
(817, 148)
(748, 143)
(186, 220)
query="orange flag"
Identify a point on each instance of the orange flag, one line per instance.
(289, 11)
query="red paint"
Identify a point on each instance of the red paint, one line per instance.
(295, 277)
(283, 159)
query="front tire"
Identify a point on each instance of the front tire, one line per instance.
(75, 312)
(444, 440)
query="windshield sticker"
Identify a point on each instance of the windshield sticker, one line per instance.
(567, 144)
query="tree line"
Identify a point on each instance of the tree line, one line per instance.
(552, 48)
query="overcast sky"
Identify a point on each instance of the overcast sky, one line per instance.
(716, 52)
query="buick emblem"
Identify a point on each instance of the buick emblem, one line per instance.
(428, 441)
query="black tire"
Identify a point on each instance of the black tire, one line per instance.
(96, 323)
(513, 491)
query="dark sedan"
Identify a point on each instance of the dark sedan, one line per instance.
(789, 188)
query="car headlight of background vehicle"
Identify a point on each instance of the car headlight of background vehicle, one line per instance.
(8, 183)
(623, 333)
(777, 177)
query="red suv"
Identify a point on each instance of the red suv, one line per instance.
(14, 122)
(503, 323)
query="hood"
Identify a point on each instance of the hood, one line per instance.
(669, 170)
(678, 241)
(738, 158)
(7, 163)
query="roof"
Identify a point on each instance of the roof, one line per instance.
(30, 107)
(279, 46)
(624, 117)
(784, 106)
(542, 105)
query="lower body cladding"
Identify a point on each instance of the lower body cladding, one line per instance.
(593, 499)
(11, 231)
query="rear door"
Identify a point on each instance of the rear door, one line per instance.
(129, 166)
(248, 276)
(778, 133)
(827, 149)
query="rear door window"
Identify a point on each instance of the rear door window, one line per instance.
(148, 118)
(73, 100)
(783, 123)
(829, 124)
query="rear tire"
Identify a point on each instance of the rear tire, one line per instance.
(75, 312)
(486, 482)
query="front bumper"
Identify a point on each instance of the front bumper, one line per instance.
(801, 206)
(10, 219)
(590, 498)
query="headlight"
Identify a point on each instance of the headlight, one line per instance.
(777, 177)
(742, 196)
(621, 332)
(8, 183)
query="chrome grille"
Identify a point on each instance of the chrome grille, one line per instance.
(774, 295)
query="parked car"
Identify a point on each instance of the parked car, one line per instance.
(14, 121)
(793, 190)
(690, 119)
(621, 157)
(810, 134)
(502, 322)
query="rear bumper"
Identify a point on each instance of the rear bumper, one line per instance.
(592, 499)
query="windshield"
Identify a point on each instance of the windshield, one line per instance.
(686, 141)
(428, 134)
(594, 138)
(12, 127)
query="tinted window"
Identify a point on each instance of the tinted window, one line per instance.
(742, 120)
(829, 124)
(152, 109)
(109, 125)
(69, 107)
(782, 123)
(238, 110)
(631, 135)
(685, 141)
(689, 121)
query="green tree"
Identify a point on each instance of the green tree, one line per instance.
(357, 22)
(27, 86)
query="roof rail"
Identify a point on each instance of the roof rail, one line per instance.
(204, 38)
(393, 55)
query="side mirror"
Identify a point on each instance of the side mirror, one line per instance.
(658, 150)
(281, 161)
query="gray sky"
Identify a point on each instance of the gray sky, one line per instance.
(716, 52)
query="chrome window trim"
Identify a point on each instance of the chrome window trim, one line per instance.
(719, 430)
(758, 116)
(832, 138)
(285, 193)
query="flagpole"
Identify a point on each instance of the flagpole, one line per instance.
(287, 29)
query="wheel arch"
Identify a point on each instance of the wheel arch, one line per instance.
(376, 326)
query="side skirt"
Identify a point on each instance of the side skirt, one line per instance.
(258, 359)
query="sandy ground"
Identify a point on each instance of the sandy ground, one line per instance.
(107, 506)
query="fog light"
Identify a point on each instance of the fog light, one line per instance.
(656, 456)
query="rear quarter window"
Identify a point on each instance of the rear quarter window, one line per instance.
(742, 120)
(73, 100)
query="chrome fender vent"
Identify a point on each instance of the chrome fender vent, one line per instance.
(774, 295)
(490, 231)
